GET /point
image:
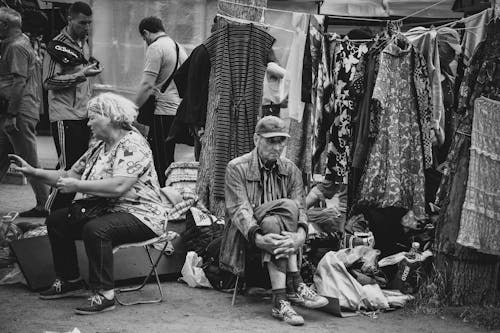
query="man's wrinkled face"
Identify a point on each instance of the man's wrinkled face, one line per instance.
(269, 149)
(80, 25)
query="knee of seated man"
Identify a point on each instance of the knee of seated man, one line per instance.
(292, 206)
(271, 225)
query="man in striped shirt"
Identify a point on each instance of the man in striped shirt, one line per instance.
(67, 80)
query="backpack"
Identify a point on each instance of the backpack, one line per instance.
(197, 238)
(219, 279)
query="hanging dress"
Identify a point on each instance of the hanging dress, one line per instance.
(395, 172)
(481, 78)
(238, 54)
(341, 105)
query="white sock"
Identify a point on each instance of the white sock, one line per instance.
(108, 294)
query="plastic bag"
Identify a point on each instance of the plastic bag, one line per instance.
(374, 298)
(398, 257)
(410, 271)
(365, 254)
(12, 275)
(192, 273)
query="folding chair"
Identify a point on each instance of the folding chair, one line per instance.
(164, 238)
(235, 290)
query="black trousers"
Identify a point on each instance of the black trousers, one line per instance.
(163, 152)
(99, 235)
(71, 138)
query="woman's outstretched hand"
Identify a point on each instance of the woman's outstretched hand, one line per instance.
(21, 165)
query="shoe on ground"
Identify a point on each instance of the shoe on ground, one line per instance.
(35, 212)
(307, 297)
(286, 313)
(62, 289)
(98, 304)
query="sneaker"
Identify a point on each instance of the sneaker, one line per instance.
(35, 212)
(307, 297)
(286, 313)
(61, 289)
(98, 304)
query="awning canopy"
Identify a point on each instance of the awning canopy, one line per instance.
(389, 8)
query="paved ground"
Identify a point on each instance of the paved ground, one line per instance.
(195, 310)
(185, 309)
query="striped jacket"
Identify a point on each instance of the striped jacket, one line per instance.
(69, 92)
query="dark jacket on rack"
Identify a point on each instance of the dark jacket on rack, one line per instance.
(191, 80)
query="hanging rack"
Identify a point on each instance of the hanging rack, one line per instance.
(356, 18)
(245, 21)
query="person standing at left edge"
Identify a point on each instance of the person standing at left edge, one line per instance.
(20, 98)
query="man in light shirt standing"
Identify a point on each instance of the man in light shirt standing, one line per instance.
(163, 57)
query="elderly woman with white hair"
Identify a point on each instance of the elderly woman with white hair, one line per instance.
(117, 168)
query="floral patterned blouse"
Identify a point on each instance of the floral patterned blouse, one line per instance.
(130, 157)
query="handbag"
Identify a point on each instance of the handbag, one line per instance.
(83, 210)
(147, 110)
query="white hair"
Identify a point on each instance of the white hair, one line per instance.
(119, 109)
(11, 17)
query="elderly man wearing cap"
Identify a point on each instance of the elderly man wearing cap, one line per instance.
(266, 217)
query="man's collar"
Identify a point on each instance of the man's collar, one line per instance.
(256, 165)
(65, 32)
(262, 165)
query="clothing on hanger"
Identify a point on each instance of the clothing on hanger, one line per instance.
(239, 54)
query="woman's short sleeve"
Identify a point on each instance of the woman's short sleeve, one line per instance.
(133, 157)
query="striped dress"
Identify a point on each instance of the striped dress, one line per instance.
(238, 54)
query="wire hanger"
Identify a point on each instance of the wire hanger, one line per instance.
(229, 17)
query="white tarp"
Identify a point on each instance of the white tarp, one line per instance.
(387, 8)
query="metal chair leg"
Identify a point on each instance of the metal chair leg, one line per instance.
(153, 271)
(235, 290)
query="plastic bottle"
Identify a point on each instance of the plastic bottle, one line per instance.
(414, 251)
(6, 226)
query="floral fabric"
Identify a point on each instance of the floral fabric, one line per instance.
(364, 119)
(424, 105)
(130, 157)
(481, 78)
(395, 170)
(347, 56)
